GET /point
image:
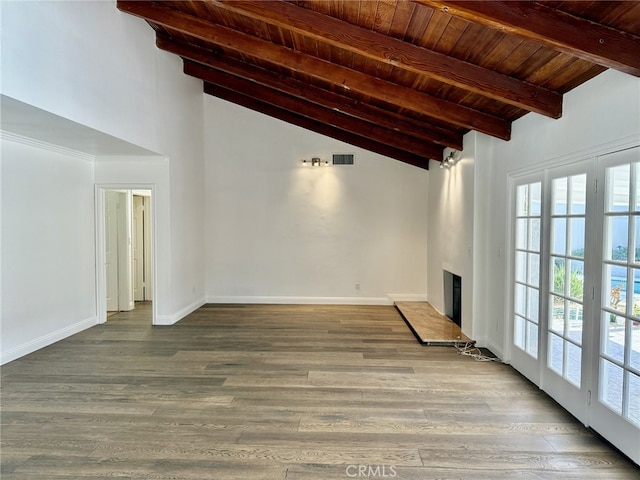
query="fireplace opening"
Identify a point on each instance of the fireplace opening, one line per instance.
(453, 297)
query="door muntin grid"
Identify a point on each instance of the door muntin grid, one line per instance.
(619, 349)
(527, 267)
(567, 277)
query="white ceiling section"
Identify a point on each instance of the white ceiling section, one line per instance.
(24, 120)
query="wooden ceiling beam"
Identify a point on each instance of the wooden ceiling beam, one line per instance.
(314, 112)
(343, 77)
(403, 55)
(315, 126)
(552, 28)
(352, 107)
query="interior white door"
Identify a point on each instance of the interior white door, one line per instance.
(138, 249)
(125, 255)
(111, 249)
(148, 262)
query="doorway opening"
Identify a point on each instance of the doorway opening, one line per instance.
(125, 239)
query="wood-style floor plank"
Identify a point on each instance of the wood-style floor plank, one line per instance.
(282, 392)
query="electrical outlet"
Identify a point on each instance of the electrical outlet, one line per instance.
(357, 285)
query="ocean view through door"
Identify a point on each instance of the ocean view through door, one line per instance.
(615, 408)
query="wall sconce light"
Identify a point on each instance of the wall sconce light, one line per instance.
(449, 161)
(316, 162)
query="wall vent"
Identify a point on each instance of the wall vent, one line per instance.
(343, 158)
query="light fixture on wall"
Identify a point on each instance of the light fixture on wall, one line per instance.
(316, 162)
(449, 161)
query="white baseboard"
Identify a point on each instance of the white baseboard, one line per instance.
(165, 320)
(46, 340)
(495, 348)
(179, 315)
(301, 300)
(408, 297)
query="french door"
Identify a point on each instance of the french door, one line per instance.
(576, 291)
(615, 407)
(527, 276)
(568, 299)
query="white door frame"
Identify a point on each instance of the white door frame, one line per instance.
(101, 286)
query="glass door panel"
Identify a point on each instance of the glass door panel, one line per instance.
(618, 367)
(567, 301)
(527, 267)
(566, 285)
(526, 277)
(615, 413)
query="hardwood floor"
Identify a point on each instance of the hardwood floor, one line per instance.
(282, 392)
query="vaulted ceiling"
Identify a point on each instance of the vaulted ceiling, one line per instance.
(401, 78)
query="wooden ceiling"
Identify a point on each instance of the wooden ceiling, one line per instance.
(401, 78)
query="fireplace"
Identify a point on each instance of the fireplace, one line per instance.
(453, 297)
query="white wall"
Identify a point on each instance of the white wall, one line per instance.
(48, 258)
(598, 116)
(280, 232)
(180, 126)
(468, 204)
(489, 256)
(451, 223)
(274, 230)
(85, 61)
(90, 63)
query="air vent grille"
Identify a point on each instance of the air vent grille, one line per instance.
(343, 158)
